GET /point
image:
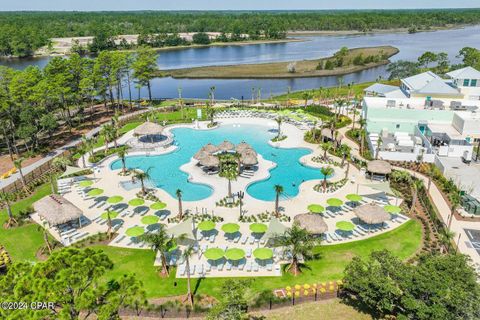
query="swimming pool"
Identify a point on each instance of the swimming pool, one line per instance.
(165, 172)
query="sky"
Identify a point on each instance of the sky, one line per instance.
(99, 5)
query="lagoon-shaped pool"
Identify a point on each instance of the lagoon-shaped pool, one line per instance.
(165, 172)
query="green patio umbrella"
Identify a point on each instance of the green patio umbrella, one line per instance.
(230, 228)
(95, 192)
(235, 254)
(85, 183)
(135, 231)
(263, 253)
(150, 220)
(158, 206)
(206, 225)
(115, 199)
(354, 197)
(392, 209)
(136, 202)
(315, 208)
(346, 226)
(113, 215)
(214, 253)
(334, 202)
(258, 227)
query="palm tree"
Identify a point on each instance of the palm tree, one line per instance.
(417, 185)
(446, 239)
(107, 133)
(355, 105)
(278, 191)
(326, 172)
(82, 151)
(306, 95)
(160, 241)
(60, 163)
(297, 242)
(345, 151)
(326, 146)
(212, 95)
(121, 153)
(186, 254)
(279, 121)
(6, 199)
(142, 176)
(18, 164)
(455, 200)
(109, 223)
(314, 131)
(45, 237)
(377, 151)
(230, 172)
(178, 193)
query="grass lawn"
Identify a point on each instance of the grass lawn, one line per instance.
(329, 309)
(23, 242)
(403, 242)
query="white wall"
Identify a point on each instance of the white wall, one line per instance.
(405, 156)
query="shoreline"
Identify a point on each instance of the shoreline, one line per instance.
(277, 70)
(332, 33)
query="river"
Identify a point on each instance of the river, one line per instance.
(411, 46)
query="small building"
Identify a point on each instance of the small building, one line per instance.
(428, 85)
(379, 169)
(384, 91)
(56, 210)
(467, 80)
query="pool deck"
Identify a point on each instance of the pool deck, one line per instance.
(110, 181)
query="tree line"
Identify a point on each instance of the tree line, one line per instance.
(34, 103)
(20, 36)
(436, 62)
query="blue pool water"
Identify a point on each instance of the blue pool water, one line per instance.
(165, 172)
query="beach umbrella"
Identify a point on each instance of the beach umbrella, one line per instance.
(136, 202)
(316, 208)
(235, 254)
(263, 253)
(230, 228)
(113, 215)
(258, 227)
(85, 183)
(345, 226)
(334, 202)
(214, 254)
(158, 206)
(115, 199)
(150, 220)
(354, 197)
(206, 225)
(392, 209)
(95, 192)
(135, 231)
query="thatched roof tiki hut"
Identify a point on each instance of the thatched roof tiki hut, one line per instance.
(148, 129)
(226, 146)
(379, 168)
(242, 147)
(371, 213)
(56, 210)
(313, 223)
(248, 157)
(210, 148)
(210, 161)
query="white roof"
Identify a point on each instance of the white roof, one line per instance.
(419, 81)
(437, 86)
(464, 73)
(381, 88)
(448, 129)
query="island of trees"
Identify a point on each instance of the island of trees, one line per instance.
(20, 36)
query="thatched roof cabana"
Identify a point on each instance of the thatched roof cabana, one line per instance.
(226, 146)
(371, 213)
(313, 223)
(248, 159)
(327, 133)
(210, 148)
(242, 147)
(379, 167)
(210, 161)
(56, 210)
(148, 129)
(201, 155)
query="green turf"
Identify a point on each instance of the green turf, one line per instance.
(23, 242)
(403, 242)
